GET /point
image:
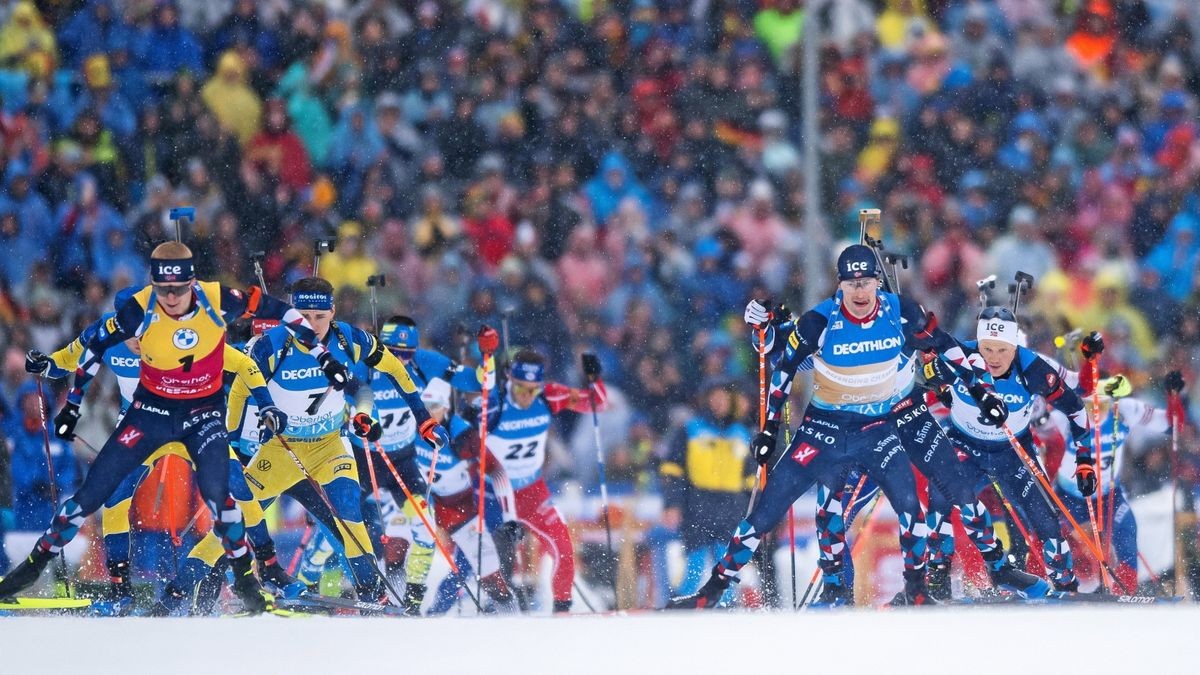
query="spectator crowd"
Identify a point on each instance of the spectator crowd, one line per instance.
(616, 176)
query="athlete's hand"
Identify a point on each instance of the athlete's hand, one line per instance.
(334, 371)
(756, 313)
(366, 427)
(1174, 382)
(271, 421)
(763, 445)
(937, 373)
(37, 363)
(1118, 386)
(1085, 475)
(65, 421)
(434, 434)
(991, 407)
(488, 340)
(512, 530)
(1092, 345)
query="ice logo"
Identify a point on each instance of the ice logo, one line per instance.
(185, 338)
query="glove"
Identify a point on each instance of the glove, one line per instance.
(763, 445)
(366, 427)
(945, 396)
(65, 421)
(935, 373)
(591, 366)
(1092, 345)
(434, 434)
(1085, 475)
(1117, 386)
(271, 420)
(991, 407)
(756, 313)
(488, 340)
(334, 371)
(1174, 382)
(37, 363)
(511, 530)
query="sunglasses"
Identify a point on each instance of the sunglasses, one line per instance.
(174, 290)
(1002, 313)
(859, 284)
(532, 389)
(402, 352)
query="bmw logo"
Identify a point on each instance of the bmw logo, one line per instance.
(185, 338)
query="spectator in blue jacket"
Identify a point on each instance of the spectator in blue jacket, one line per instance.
(32, 505)
(97, 28)
(165, 47)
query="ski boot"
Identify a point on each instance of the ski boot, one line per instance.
(26, 574)
(504, 601)
(706, 598)
(414, 595)
(169, 602)
(1005, 574)
(915, 592)
(937, 580)
(119, 600)
(562, 606)
(278, 581)
(1070, 586)
(834, 591)
(246, 586)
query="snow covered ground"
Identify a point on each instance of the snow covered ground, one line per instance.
(1059, 640)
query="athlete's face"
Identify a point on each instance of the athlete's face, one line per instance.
(319, 319)
(174, 298)
(860, 296)
(997, 355)
(523, 393)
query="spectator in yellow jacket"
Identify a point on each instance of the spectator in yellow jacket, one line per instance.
(349, 265)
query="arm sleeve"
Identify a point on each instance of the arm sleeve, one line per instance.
(1045, 381)
(1141, 414)
(672, 472)
(247, 373)
(118, 328)
(801, 343)
(375, 356)
(460, 377)
(237, 304)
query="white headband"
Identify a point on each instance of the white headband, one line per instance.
(999, 330)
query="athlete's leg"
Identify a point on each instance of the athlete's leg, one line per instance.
(1023, 491)
(538, 513)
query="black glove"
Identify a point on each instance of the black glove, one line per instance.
(271, 420)
(763, 445)
(366, 427)
(334, 371)
(65, 421)
(37, 363)
(591, 366)
(945, 396)
(937, 374)
(1174, 382)
(1092, 345)
(1085, 475)
(992, 410)
(511, 530)
(781, 315)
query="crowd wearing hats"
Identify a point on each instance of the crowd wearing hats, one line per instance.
(614, 177)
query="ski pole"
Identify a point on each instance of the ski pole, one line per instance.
(1174, 408)
(317, 488)
(787, 427)
(591, 370)
(421, 507)
(483, 453)
(1048, 492)
(1012, 513)
(1112, 482)
(309, 530)
(1097, 523)
(760, 478)
(1146, 563)
(62, 585)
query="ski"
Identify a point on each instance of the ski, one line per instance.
(34, 604)
(1060, 597)
(328, 604)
